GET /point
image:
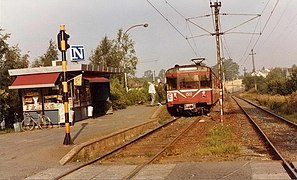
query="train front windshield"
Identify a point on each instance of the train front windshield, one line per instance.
(189, 81)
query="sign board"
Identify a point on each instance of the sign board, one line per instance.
(77, 52)
(78, 80)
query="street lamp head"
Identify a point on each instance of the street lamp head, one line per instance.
(137, 25)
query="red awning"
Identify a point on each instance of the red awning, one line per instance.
(35, 81)
(93, 79)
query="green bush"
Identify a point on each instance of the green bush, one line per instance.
(137, 96)
(118, 95)
(121, 99)
(291, 105)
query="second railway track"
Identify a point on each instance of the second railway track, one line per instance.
(279, 133)
(145, 149)
(152, 147)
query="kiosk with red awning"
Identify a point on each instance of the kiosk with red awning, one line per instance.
(41, 90)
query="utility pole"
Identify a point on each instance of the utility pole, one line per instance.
(254, 69)
(253, 61)
(216, 6)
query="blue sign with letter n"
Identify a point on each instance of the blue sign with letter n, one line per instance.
(77, 52)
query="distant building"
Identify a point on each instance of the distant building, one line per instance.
(262, 73)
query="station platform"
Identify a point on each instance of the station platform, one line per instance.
(26, 153)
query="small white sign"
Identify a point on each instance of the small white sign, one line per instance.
(77, 52)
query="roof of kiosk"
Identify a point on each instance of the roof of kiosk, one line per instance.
(70, 68)
(47, 76)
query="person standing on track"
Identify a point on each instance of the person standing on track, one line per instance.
(152, 92)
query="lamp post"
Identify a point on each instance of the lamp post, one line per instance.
(125, 33)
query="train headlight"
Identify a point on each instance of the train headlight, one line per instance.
(169, 97)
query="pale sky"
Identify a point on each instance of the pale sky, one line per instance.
(167, 40)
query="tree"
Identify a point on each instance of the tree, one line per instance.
(275, 81)
(119, 53)
(127, 53)
(103, 54)
(249, 83)
(231, 69)
(46, 59)
(10, 58)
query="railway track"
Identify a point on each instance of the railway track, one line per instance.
(144, 149)
(279, 133)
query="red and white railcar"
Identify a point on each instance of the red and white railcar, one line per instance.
(191, 89)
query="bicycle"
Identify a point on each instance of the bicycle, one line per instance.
(29, 122)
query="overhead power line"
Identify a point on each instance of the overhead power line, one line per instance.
(166, 19)
(258, 15)
(266, 22)
(200, 27)
(279, 20)
(246, 55)
(174, 9)
(179, 32)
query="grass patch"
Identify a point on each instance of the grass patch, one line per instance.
(220, 142)
(283, 105)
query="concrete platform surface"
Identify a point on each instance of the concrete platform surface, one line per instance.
(199, 170)
(26, 153)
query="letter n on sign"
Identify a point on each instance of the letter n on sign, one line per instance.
(77, 52)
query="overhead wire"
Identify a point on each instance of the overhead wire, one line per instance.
(187, 26)
(289, 33)
(167, 20)
(247, 33)
(226, 32)
(242, 23)
(195, 44)
(196, 36)
(277, 24)
(176, 29)
(207, 15)
(265, 25)
(224, 45)
(245, 56)
(200, 27)
(174, 9)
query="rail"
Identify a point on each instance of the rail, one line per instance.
(139, 168)
(290, 170)
(116, 149)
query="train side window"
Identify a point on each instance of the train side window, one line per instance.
(171, 83)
